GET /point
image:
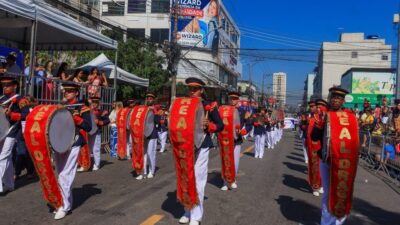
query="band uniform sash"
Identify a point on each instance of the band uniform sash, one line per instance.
(227, 143)
(343, 160)
(137, 125)
(36, 130)
(122, 115)
(314, 176)
(181, 128)
(84, 160)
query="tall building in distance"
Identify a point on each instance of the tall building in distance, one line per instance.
(353, 50)
(279, 88)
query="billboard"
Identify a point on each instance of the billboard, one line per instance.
(198, 23)
(369, 85)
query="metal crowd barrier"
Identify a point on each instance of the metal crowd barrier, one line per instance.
(50, 91)
(376, 146)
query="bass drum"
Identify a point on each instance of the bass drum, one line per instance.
(149, 123)
(61, 130)
(236, 120)
(4, 124)
(128, 119)
(94, 125)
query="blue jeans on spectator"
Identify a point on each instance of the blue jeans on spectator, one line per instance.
(113, 141)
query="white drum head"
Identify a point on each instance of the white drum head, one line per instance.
(236, 121)
(4, 124)
(198, 126)
(94, 125)
(61, 131)
(149, 123)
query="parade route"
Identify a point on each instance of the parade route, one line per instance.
(272, 190)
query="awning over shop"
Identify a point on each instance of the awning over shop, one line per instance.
(103, 63)
(55, 29)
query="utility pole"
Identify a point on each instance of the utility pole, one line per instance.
(396, 20)
(174, 51)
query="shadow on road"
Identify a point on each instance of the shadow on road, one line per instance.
(295, 158)
(215, 179)
(297, 154)
(251, 154)
(80, 195)
(290, 210)
(104, 163)
(296, 183)
(296, 167)
(172, 205)
(375, 214)
(23, 181)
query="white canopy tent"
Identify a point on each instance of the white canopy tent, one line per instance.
(103, 63)
(36, 25)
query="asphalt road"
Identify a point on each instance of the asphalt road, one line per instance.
(272, 190)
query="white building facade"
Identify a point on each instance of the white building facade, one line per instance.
(279, 88)
(308, 88)
(352, 51)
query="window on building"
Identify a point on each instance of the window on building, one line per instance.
(354, 55)
(385, 57)
(159, 35)
(136, 33)
(160, 6)
(113, 8)
(136, 6)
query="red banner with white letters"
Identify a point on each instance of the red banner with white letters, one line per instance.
(137, 125)
(121, 122)
(227, 143)
(84, 160)
(39, 148)
(314, 176)
(343, 160)
(182, 118)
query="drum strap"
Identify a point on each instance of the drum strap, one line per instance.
(122, 115)
(137, 125)
(343, 161)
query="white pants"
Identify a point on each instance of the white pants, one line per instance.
(269, 140)
(259, 141)
(200, 171)
(6, 164)
(162, 137)
(95, 147)
(150, 147)
(305, 150)
(66, 166)
(128, 145)
(327, 218)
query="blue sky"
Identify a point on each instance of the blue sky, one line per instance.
(313, 21)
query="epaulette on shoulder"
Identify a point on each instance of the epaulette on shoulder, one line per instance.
(214, 105)
(22, 103)
(85, 109)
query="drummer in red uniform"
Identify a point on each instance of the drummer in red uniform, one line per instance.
(212, 124)
(95, 139)
(66, 163)
(16, 109)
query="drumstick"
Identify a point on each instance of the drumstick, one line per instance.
(9, 100)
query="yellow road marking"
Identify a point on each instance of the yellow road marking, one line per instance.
(249, 149)
(152, 219)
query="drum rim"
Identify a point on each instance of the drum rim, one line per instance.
(199, 107)
(93, 130)
(145, 119)
(50, 146)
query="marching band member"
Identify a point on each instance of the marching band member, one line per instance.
(66, 163)
(162, 127)
(338, 134)
(234, 98)
(305, 121)
(268, 129)
(150, 146)
(259, 134)
(95, 139)
(16, 111)
(314, 177)
(212, 124)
